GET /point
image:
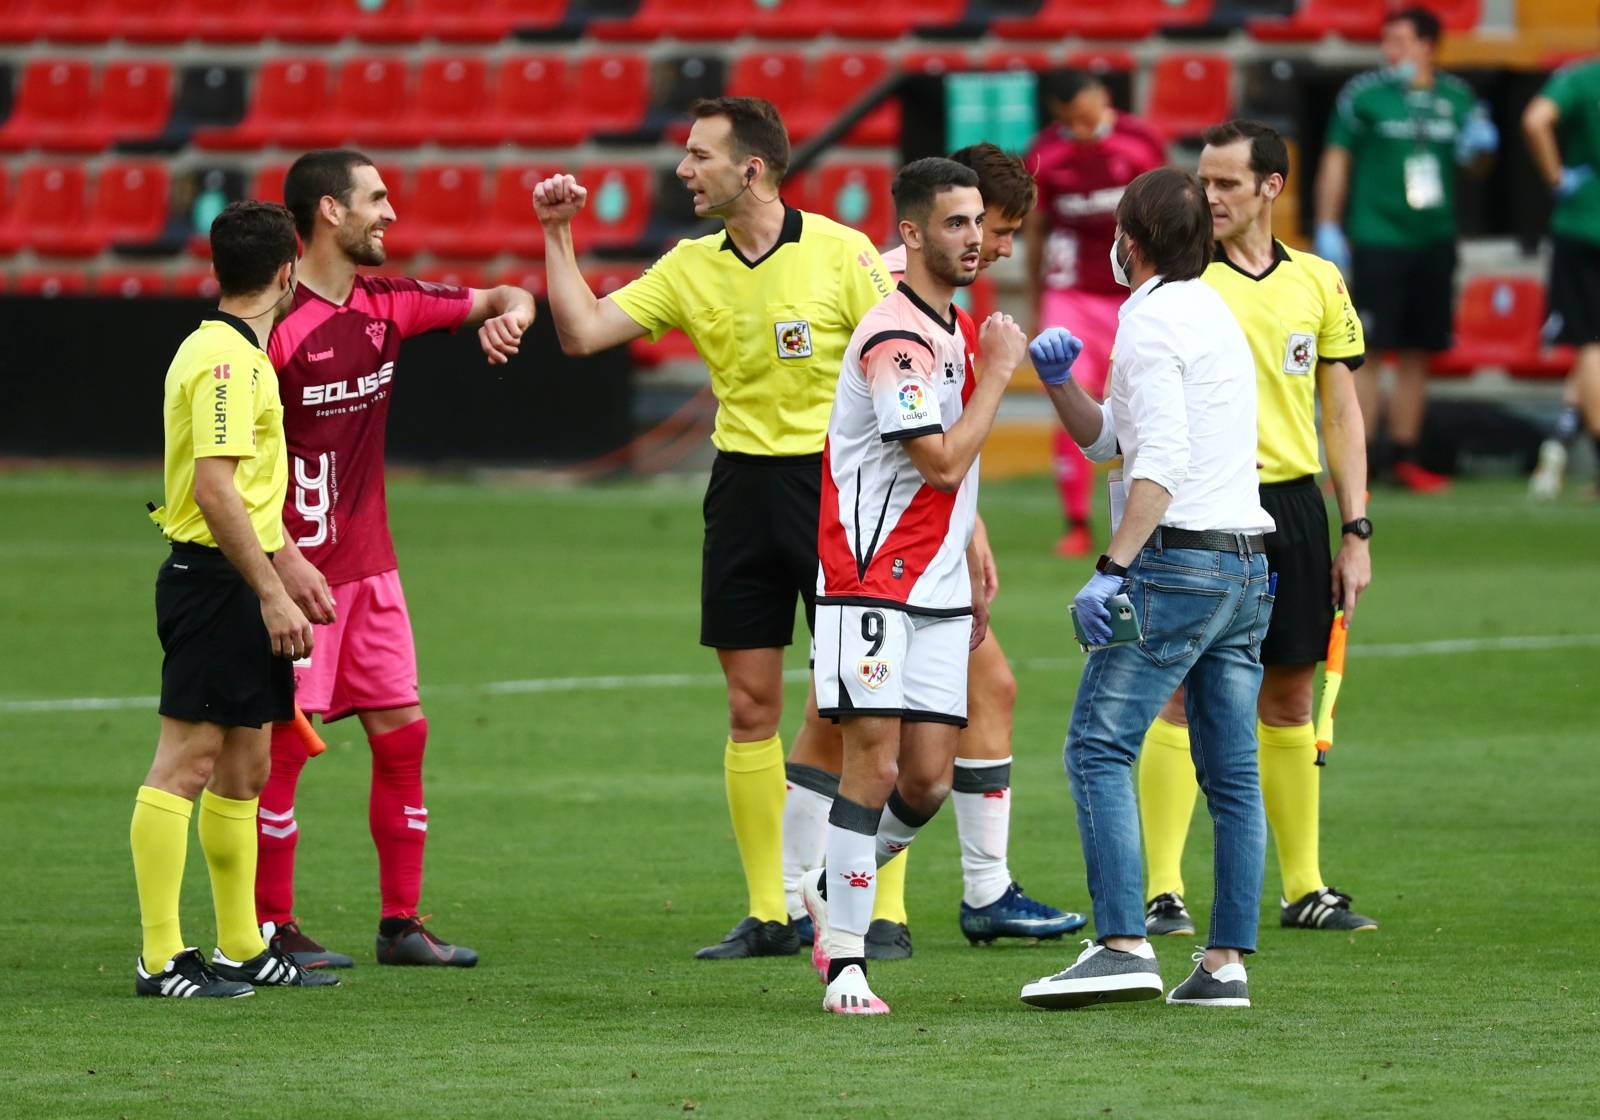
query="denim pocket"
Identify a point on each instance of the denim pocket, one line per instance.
(1176, 618)
(1258, 629)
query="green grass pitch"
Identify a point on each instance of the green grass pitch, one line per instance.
(580, 842)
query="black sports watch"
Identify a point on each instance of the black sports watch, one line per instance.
(1110, 567)
(1361, 527)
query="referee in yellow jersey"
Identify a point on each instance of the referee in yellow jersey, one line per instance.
(228, 629)
(770, 303)
(1306, 340)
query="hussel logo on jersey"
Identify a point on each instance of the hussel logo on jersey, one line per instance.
(1300, 354)
(345, 390)
(911, 404)
(873, 672)
(375, 331)
(794, 338)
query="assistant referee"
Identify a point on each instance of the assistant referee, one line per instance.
(1306, 340)
(770, 303)
(228, 629)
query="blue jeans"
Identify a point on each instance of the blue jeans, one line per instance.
(1203, 615)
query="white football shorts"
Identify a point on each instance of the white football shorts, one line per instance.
(878, 661)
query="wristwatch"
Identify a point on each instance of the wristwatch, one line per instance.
(1107, 566)
(1361, 527)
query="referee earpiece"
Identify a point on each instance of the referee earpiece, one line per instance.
(749, 175)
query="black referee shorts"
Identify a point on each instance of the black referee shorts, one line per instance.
(217, 664)
(1405, 295)
(1298, 552)
(760, 549)
(1575, 292)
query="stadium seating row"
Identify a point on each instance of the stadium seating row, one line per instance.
(459, 210)
(485, 21)
(534, 100)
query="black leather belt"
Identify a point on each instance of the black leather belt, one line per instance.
(1210, 539)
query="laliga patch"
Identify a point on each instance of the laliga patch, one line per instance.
(913, 404)
(1300, 354)
(873, 672)
(794, 338)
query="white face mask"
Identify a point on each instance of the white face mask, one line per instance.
(1119, 269)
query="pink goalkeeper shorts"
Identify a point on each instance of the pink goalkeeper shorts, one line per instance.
(366, 661)
(1093, 318)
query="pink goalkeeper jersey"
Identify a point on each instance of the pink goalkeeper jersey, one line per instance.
(335, 365)
(1080, 185)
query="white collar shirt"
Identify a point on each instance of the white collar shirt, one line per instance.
(1181, 406)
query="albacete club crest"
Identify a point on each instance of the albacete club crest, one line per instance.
(375, 332)
(872, 672)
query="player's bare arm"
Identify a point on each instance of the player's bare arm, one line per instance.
(1345, 436)
(229, 522)
(1539, 126)
(980, 604)
(501, 315)
(943, 459)
(584, 324)
(307, 586)
(985, 560)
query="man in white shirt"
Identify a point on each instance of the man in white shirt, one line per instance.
(1181, 411)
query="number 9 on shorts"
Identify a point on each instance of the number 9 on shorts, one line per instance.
(880, 661)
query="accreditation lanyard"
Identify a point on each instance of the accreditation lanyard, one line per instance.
(1424, 177)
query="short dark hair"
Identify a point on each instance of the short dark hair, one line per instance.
(1269, 155)
(921, 181)
(1003, 179)
(1064, 85)
(250, 241)
(1422, 21)
(1166, 214)
(758, 130)
(315, 176)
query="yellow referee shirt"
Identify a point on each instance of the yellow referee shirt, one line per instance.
(1295, 314)
(222, 400)
(772, 331)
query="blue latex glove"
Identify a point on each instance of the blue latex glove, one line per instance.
(1053, 353)
(1478, 136)
(1572, 178)
(1330, 244)
(1094, 613)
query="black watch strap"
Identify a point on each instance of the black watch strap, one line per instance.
(1109, 567)
(1361, 527)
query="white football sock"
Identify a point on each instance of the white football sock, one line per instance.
(897, 827)
(982, 793)
(852, 878)
(805, 817)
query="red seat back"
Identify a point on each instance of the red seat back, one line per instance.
(532, 85)
(620, 199)
(448, 196)
(56, 91)
(50, 196)
(1189, 92)
(777, 76)
(130, 200)
(857, 195)
(373, 88)
(291, 89)
(136, 97)
(615, 90)
(267, 186)
(453, 87)
(1499, 319)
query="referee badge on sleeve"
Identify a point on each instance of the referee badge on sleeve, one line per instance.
(794, 338)
(1300, 354)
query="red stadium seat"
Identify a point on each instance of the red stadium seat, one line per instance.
(49, 205)
(1102, 19)
(838, 81)
(1188, 93)
(130, 208)
(1004, 59)
(935, 61)
(51, 282)
(267, 186)
(510, 226)
(130, 283)
(1499, 320)
(54, 110)
(76, 21)
(20, 20)
(200, 282)
(534, 15)
(533, 105)
(620, 200)
(1356, 20)
(307, 21)
(614, 91)
(679, 19)
(149, 21)
(445, 204)
(372, 103)
(452, 104)
(452, 272)
(787, 20)
(777, 76)
(225, 21)
(291, 108)
(857, 195)
(393, 21)
(135, 99)
(1102, 62)
(486, 21)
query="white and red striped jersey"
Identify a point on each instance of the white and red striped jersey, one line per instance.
(885, 537)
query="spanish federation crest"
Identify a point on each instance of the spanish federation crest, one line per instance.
(872, 672)
(794, 338)
(1300, 354)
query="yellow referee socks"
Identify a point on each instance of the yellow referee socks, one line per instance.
(1167, 789)
(1291, 787)
(754, 776)
(228, 838)
(159, 837)
(890, 904)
